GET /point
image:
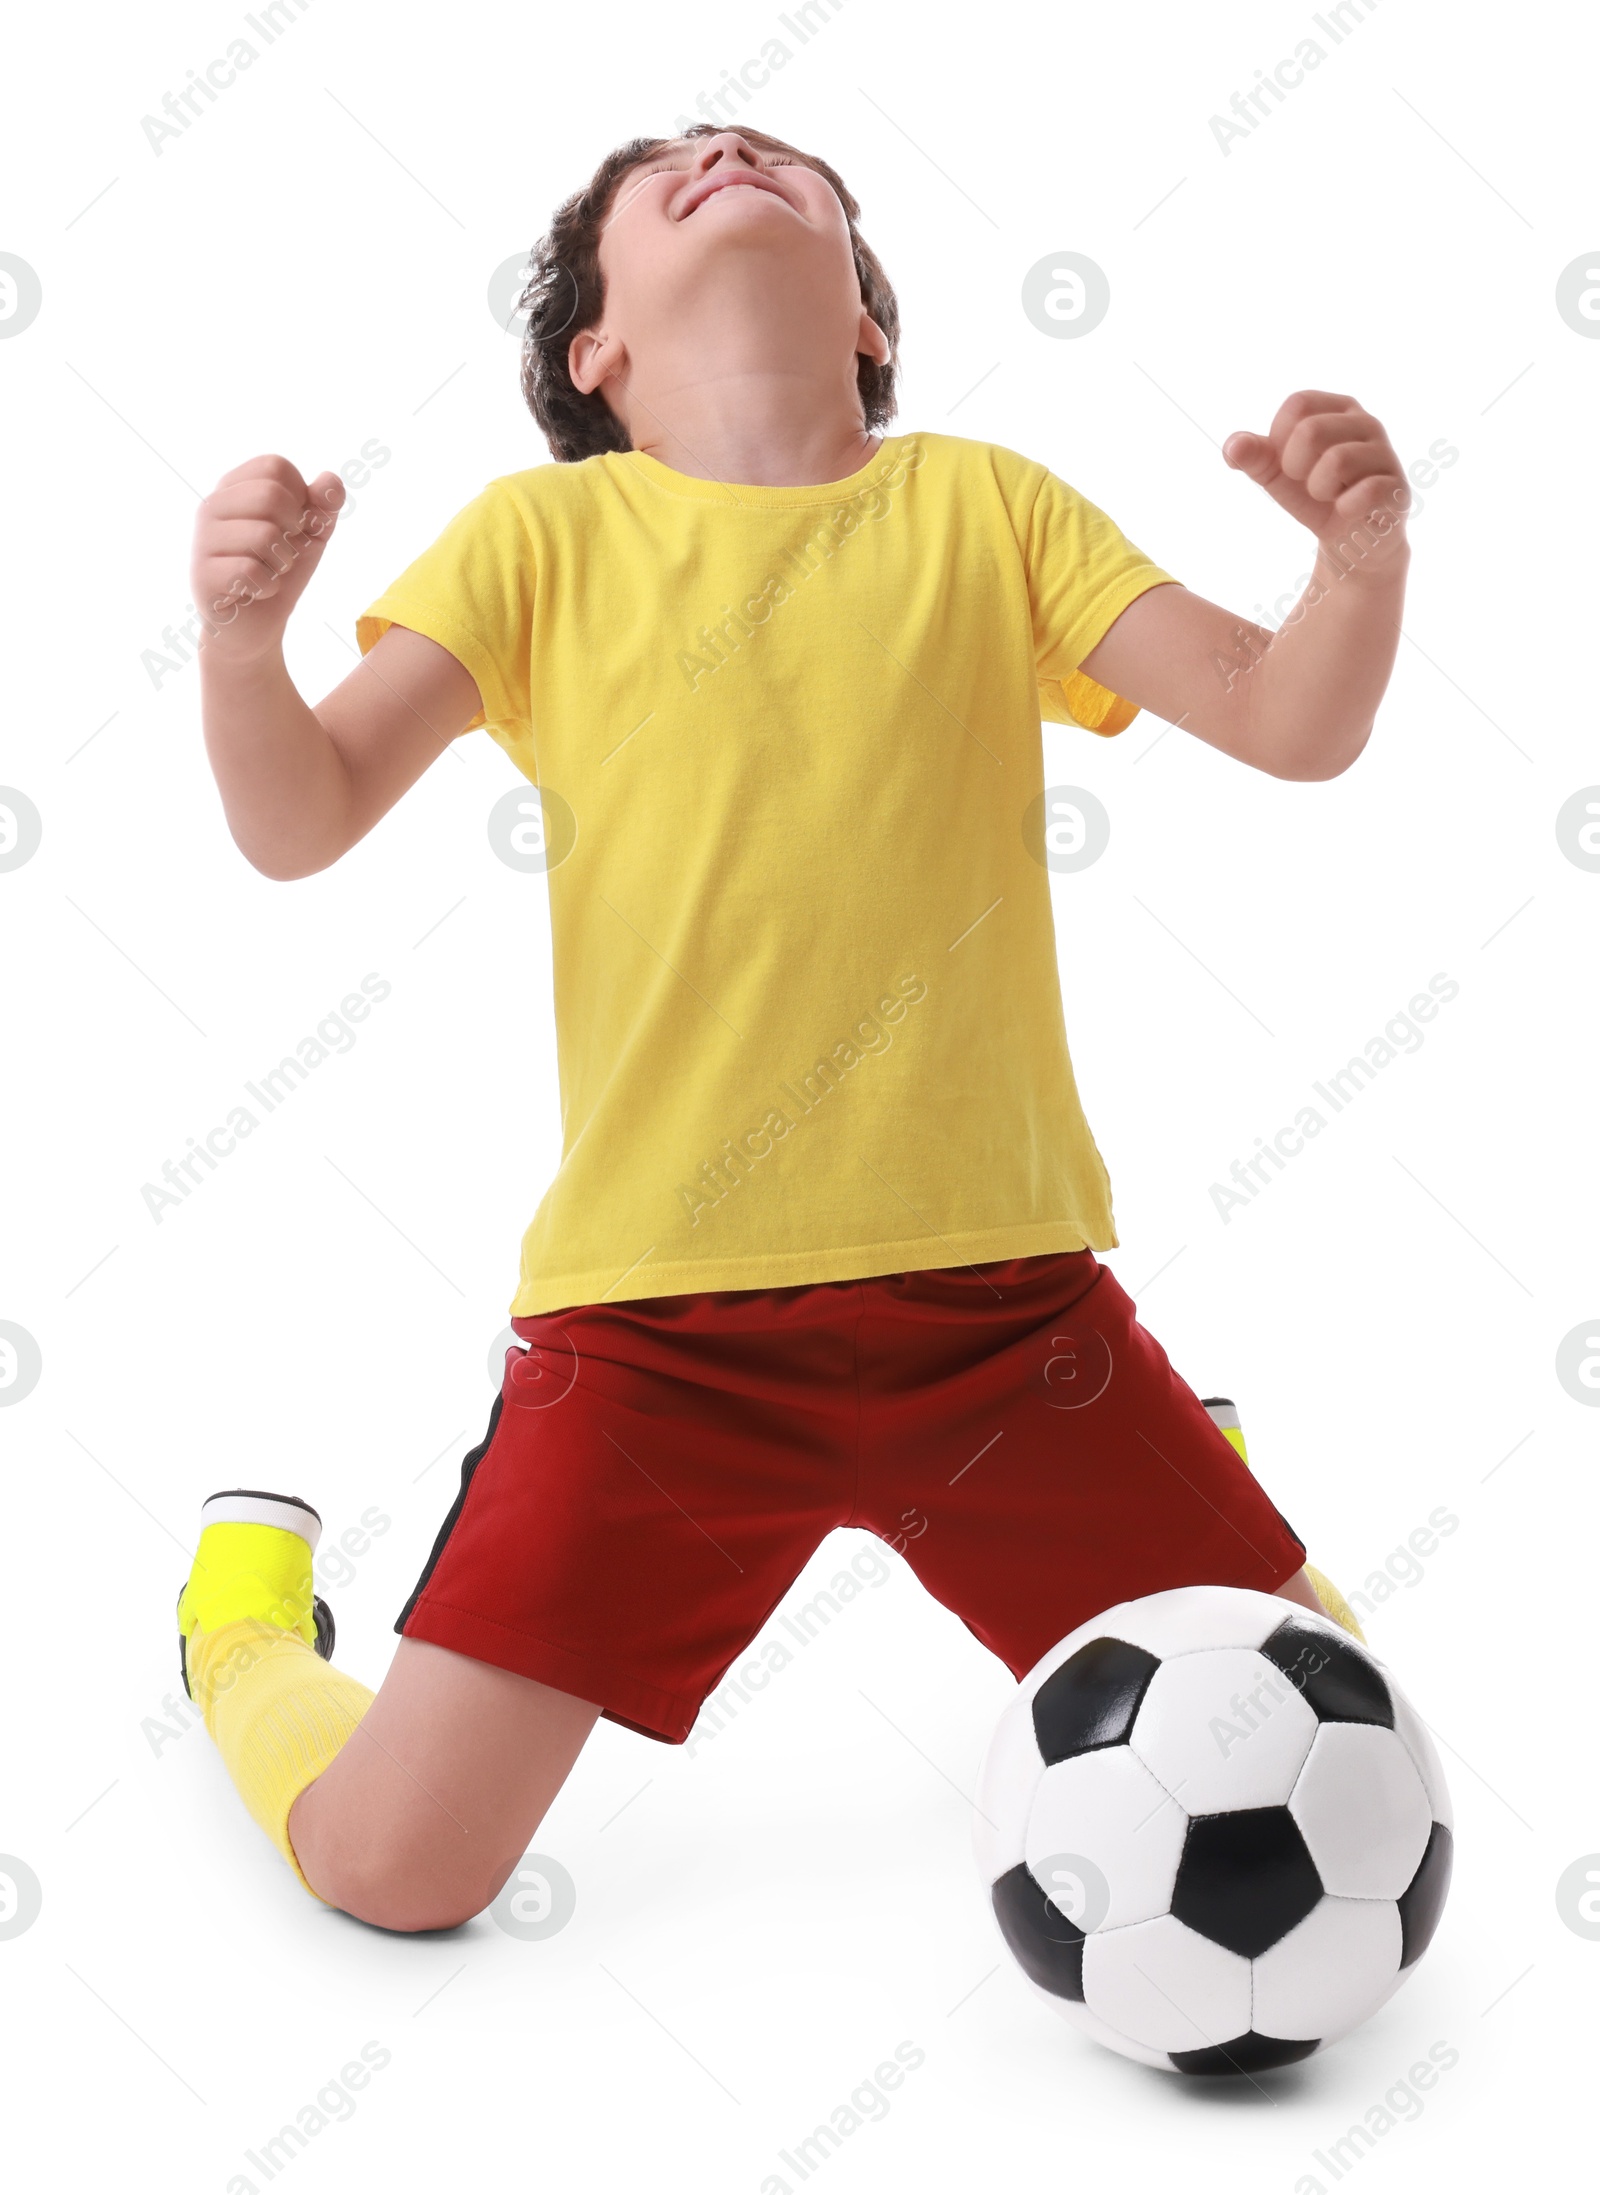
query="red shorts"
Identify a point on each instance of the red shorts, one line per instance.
(656, 1474)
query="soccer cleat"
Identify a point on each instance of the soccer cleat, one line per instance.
(253, 1564)
(1224, 1416)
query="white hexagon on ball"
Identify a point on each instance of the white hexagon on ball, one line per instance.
(1165, 1986)
(1223, 1729)
(1413, 1734)
(1361, 1808)
(1106, 1807)
(1101, 2031)
(1329, 1972)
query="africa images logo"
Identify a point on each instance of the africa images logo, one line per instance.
(1401, 1033)
(719, 1177)
(741, 625)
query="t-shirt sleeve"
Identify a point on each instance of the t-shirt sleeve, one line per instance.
(472, 592)
(1083, 571)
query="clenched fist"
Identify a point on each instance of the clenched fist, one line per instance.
(258, 537)
(1331, 465)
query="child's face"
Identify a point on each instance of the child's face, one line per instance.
(703, 230)
(676, 181)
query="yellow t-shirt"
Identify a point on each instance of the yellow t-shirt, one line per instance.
(808, 1014)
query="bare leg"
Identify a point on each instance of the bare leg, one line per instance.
(422, 1816)
(1298, 1588)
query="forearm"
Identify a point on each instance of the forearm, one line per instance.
(1310, 692)
(285, 789)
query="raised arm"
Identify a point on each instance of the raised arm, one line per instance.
(1298, 702)
(301, 785)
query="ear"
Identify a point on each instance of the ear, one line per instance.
(593, 357)
(871, 342)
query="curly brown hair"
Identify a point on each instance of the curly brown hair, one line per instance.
(564, 293)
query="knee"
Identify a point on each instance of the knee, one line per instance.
(399, 1886)
(407, 1907)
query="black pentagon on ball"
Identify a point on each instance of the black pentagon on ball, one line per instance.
(1245, 1879)
(1047, 1946)
(1247, 2053)
(1091, 1700)
(1422, 1900)
(1339, 1682)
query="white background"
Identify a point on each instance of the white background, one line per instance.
(306, 269)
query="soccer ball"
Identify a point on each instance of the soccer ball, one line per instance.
(1215, 1833)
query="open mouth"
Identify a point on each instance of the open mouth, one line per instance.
(730, 182)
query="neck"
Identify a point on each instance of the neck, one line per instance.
(756, 424)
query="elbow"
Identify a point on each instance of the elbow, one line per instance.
(286, 854)
(277, 868)
(276, 872)
(292, 872)
(283, 865)
(1326, 762)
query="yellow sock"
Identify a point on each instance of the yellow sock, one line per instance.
(1225, 1418)
(278, 1714)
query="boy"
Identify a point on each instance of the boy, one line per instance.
(820, 1250)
